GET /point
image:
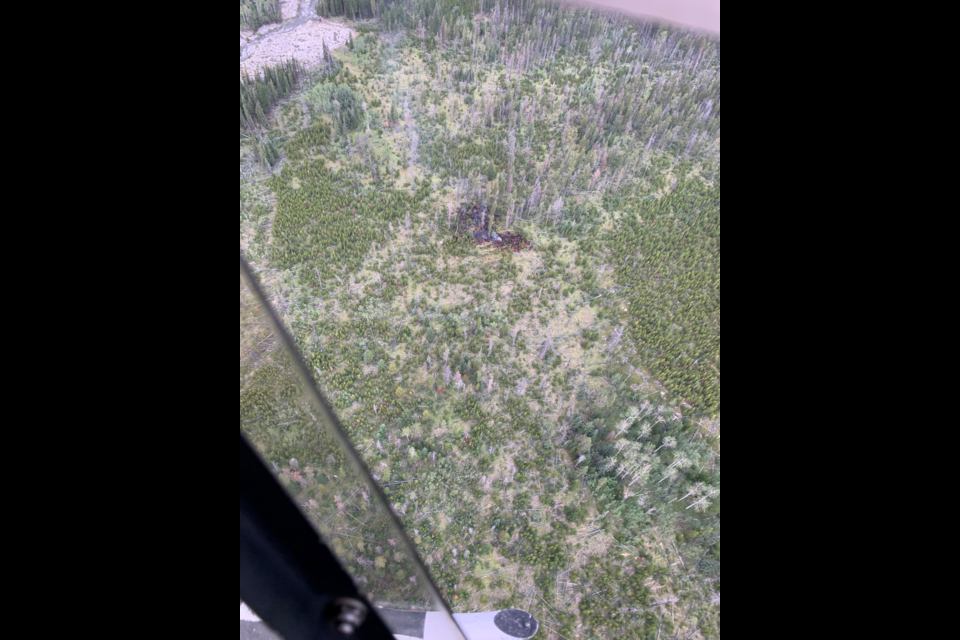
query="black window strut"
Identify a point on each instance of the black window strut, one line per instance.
(288, 576)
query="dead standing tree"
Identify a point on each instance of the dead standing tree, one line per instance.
(548, 346)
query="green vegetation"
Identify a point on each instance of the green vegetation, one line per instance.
(543, 414)
(353, 9)
(256, 13)
(670, 267)
(320, 227)
(278, 418)
(339, 102)
(259, 94)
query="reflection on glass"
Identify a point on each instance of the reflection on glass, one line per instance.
(297, 436)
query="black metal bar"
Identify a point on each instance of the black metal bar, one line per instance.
(287, 574)
(332, 424)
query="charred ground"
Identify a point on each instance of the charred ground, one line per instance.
(478, 222)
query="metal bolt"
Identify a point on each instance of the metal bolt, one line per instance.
(351, 615)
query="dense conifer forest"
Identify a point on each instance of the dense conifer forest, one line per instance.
(493, 230)
(256, 13)
(353, 9)
(258, 95)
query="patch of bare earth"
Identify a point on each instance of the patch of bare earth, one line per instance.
(304, 43)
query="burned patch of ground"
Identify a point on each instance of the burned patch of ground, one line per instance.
(478, 222)
(514, 242)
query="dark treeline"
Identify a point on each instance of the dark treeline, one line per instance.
(263, 91)
(256, 13)
(354, 9)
